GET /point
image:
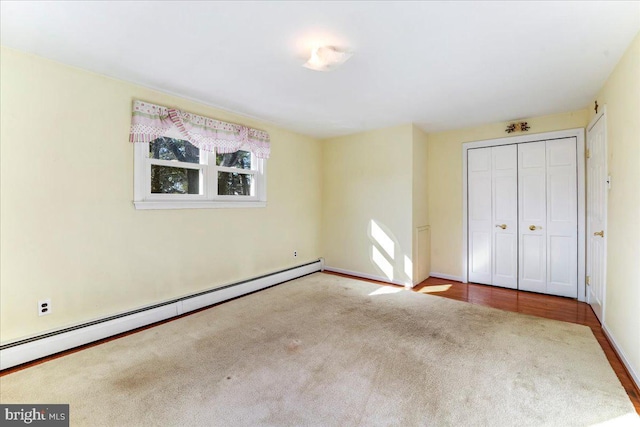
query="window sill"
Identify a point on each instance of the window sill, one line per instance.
(196, 204)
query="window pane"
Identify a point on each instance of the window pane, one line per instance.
(174, 149)
(234, 184)
(168, 180)
(240, 159)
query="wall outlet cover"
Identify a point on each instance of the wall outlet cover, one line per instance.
(44, 307)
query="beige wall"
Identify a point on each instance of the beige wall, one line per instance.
(68, 227)
(621, 95)
(444, 177)
(367, 198)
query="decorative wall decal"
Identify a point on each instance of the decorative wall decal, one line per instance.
(517, 127)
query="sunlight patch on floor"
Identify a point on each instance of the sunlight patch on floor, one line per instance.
(386, 290)
(434, 288)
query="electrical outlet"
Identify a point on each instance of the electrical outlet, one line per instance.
(295, 254)
(44, 307)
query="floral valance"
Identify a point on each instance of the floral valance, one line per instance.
(149, 121)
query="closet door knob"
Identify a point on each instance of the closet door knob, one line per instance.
(599, 233)
(534, 228)
(503, 226)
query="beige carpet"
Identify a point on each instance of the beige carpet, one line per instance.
(328, 351)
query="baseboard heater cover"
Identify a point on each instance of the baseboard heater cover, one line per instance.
(27, 350)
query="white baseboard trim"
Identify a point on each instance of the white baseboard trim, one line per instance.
(634, 375)
(366, 276)
(445, 276)
(27, 350)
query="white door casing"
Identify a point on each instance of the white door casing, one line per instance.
(597, 213)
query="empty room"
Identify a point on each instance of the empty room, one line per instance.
(288, 213)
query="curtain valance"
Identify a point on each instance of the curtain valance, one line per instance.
(149, 121)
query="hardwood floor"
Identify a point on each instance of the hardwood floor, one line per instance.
(547, 306)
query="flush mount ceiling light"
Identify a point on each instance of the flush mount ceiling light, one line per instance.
(327, 58)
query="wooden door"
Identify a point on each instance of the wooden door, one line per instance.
(493, 221)
(532, 214)
(597, 215)
(505, 216)
(479, 215)
(562, 218)
(548, 217)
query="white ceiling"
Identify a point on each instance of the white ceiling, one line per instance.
(441, 65)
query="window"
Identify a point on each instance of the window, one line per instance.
(183, 160)
(172, 173)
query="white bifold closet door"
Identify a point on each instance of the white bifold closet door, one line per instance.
(522, 216)
(493, 215)
(548, 217)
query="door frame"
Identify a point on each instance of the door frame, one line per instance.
(579, 134)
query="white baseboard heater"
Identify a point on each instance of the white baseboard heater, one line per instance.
(27, 350)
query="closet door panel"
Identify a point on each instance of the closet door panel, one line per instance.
(505, 216)
(562, 218)
(532, 216)
(480, 260)
(505, 271)
(479, 214)
(533, 194)
(532, 263)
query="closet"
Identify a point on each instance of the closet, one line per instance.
(522, 216)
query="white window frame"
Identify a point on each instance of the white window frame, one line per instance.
(144, 199)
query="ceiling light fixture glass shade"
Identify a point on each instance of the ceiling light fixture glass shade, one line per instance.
(326, 58)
